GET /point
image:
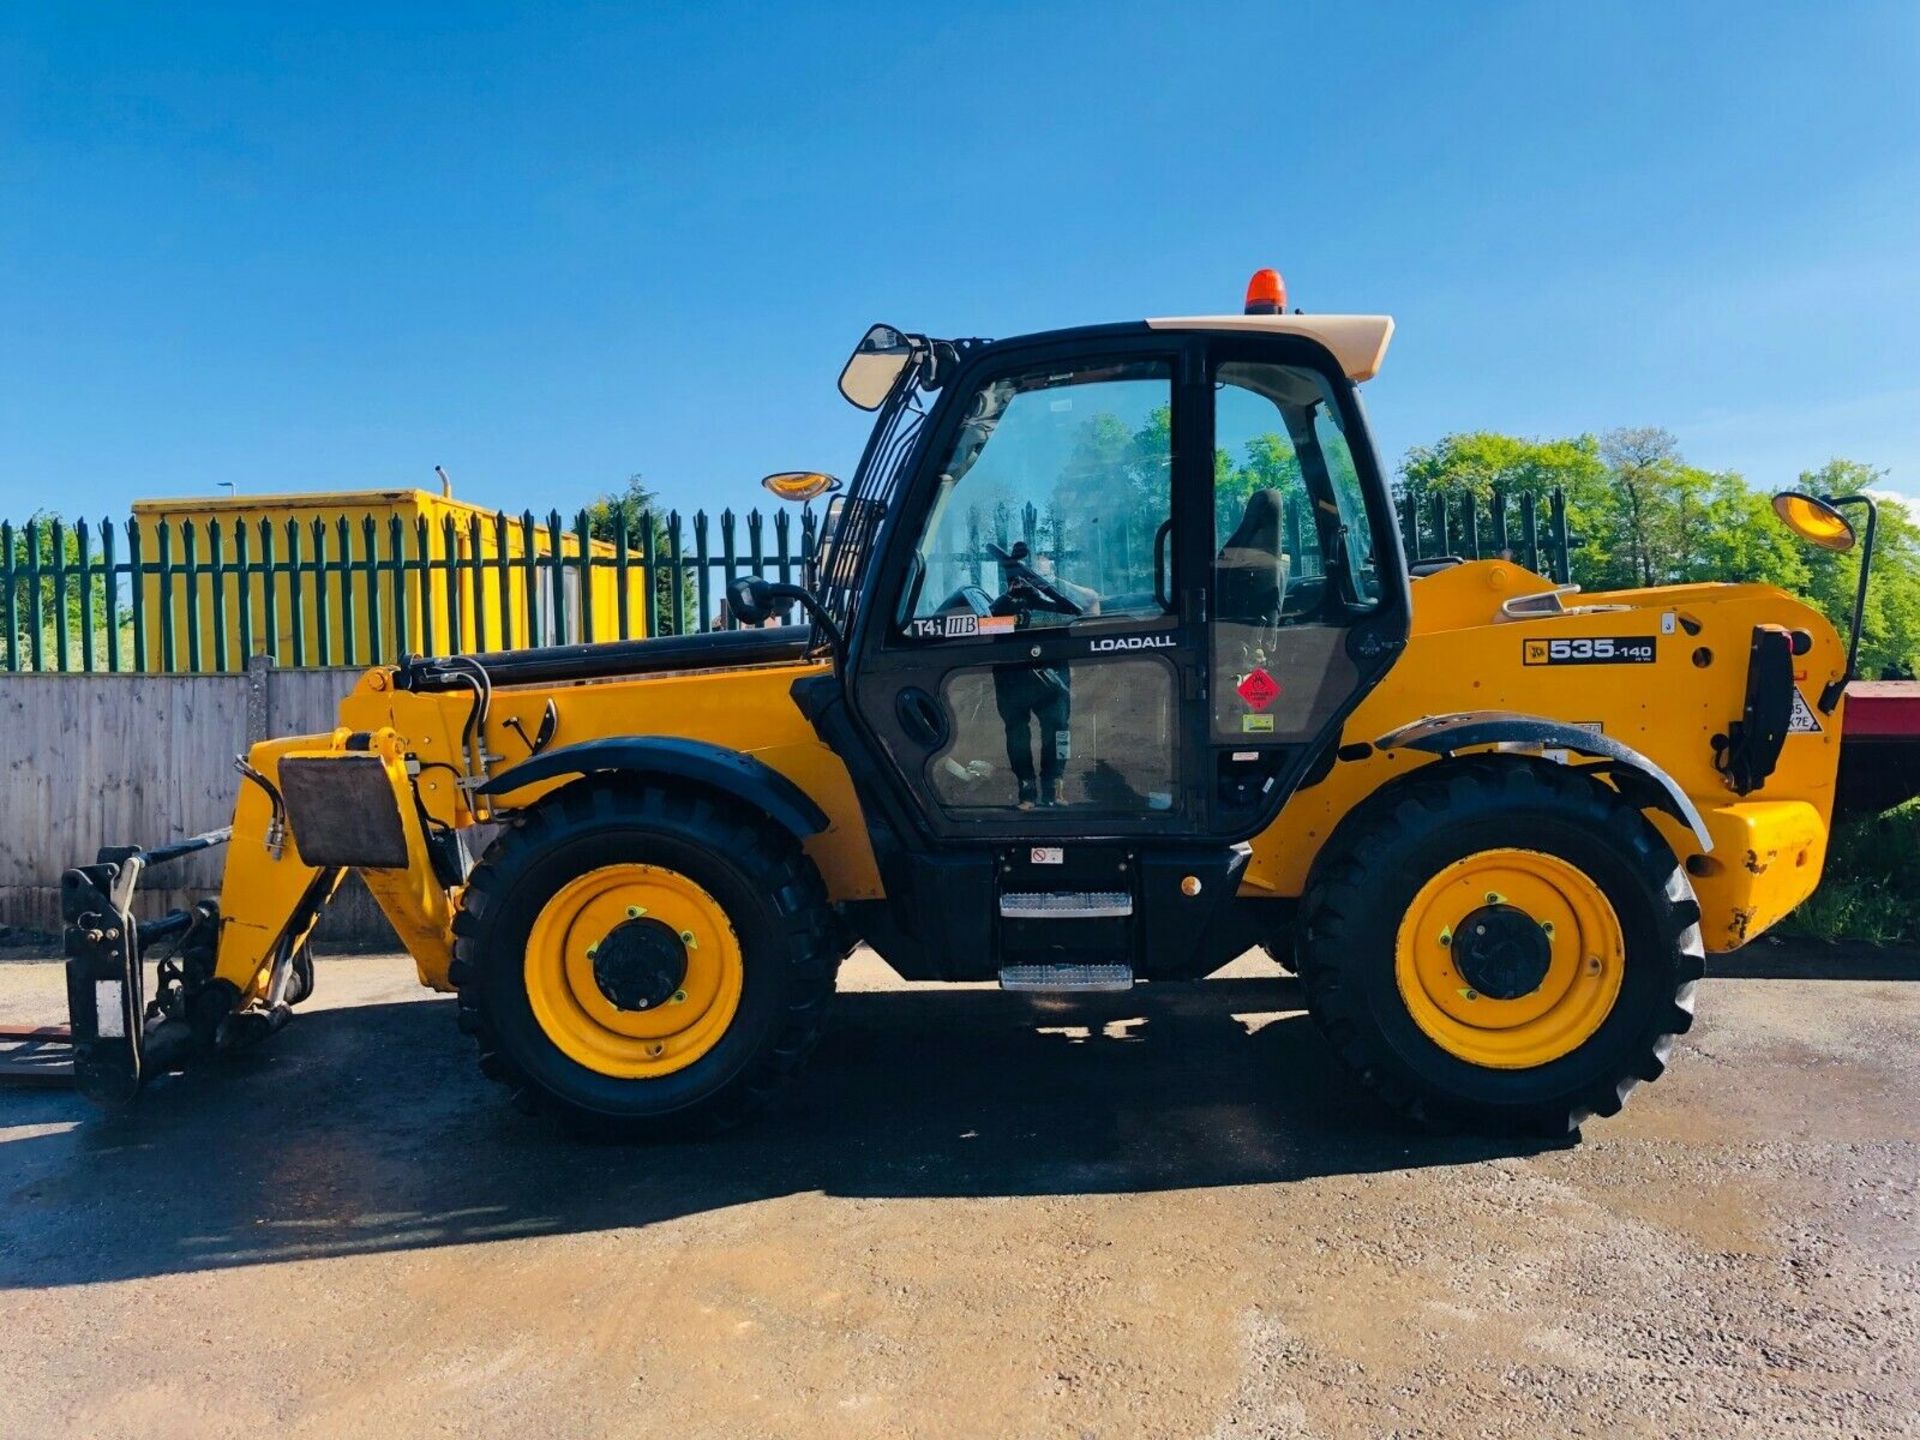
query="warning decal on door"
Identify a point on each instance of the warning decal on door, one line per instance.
(1259, 690)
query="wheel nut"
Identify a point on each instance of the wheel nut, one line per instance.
(679, 997)
(656, 1048)
(1593, 965)
(634, 912)
(592, 950)
(686, 939)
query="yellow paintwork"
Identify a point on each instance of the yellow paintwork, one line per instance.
(1768, 848)
(749, 710)
(589, 1028)
(419, 907)
(1460, 657)
(260, 891)
(1767, 857)
(1583, 976)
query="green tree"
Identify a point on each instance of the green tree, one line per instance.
(1482, 462)
(1741, 539)
(1643, 467)
(88, 608)
(634, 510)
(1639, 514)
(1486, 466)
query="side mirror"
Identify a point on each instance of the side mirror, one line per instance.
(751, 599)
(875, 365)
(1814, 520)
(800, 486)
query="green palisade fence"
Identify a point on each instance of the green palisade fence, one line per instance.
(1530, 529)
(133, 597)
(201, 596)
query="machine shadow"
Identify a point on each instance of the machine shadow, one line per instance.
(1790, 958)
(366, 1129)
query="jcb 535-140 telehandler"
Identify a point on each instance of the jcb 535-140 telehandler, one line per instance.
(1112, 666)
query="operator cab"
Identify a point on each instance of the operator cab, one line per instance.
(1107, 595)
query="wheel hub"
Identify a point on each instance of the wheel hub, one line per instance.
(1502, 952)
(640, 964)
(1509, 958)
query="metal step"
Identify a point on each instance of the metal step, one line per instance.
(1071, 977)
(1066, 905)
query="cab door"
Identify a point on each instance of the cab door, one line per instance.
(1136, 585)
(1307, 593)
(1032, 662)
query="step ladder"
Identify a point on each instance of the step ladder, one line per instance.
(1066, 976)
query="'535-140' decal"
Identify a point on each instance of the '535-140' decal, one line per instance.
(1590, 650)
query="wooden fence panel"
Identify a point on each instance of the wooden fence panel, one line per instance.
(125, 759)
(112, 760)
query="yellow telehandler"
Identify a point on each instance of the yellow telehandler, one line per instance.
(1108, 667)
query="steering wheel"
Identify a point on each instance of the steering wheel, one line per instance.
(1017, 572)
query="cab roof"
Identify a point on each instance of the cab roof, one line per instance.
(1358, 342)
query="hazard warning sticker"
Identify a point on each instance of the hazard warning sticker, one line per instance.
(1804, 721)
(1259, 690)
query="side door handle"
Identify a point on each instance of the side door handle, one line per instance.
(1160, 591)
(921, 717)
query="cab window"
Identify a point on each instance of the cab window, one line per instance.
(1293, 559)
(1336, 459)
(1052, 504)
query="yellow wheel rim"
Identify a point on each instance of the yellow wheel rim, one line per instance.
(1509, 958)
(614, 914)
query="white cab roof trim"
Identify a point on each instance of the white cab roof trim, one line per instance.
(1358, 342)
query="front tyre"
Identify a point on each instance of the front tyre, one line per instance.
(1501, 944)
(643, 959)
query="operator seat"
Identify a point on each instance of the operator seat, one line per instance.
(1252, 568)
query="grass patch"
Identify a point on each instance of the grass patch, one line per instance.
(1871, 889)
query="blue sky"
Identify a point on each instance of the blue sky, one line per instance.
(304, 246)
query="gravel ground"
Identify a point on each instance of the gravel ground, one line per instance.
(1158, 1214)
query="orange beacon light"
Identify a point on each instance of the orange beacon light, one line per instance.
(1266, 293)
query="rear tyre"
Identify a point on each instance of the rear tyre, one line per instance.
(1501, 944)
(643, 959)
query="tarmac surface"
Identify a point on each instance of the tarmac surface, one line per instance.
(1163, 1214)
